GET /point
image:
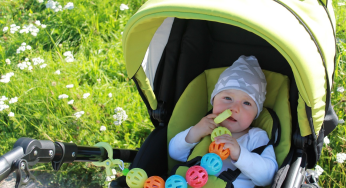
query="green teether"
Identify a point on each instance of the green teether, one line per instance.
(125, 171)
(219, 131)
(136, 177)
(223, 116)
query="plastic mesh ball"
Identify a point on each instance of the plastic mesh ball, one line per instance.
(218, 149)
(176, 181)
(196, 176)
(136, 177)
(219, 131)
(212, 163)
(154, 182)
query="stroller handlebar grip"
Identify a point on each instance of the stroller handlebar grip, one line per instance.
(7, 160)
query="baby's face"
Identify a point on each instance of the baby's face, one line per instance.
(242, 106)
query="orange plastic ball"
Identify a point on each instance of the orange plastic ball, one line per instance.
(154, 182)
(218, 149)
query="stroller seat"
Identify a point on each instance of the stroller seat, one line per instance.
(194, 104)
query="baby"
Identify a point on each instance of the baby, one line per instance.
(242, 89)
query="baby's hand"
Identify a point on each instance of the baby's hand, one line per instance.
(230, 143)
(201, 129)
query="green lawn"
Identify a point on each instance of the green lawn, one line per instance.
(82, 46)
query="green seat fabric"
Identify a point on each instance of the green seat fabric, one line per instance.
(194, 104)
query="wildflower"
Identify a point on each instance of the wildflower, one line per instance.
(319, 170)
(3, 98)
(57, 72)
(13, 100)
(3, 107)
(8, 61)
(340, 89)
(11, 114)
(30, 29)
(69, 86)
(123, 7)
(110, 95)
(43, 26)
(28, 47)
(54, 5)
(63, 96)
(117, 122)
(326, 140)
(340, 157)
(40, 1)
(37, 22)
(69, 6)
(79, 114)
(37, 61)
(70, 102)
(6, 78)
(102, 128)
(86, 95)
(120, 115)
(69, 57)
(4, 29)
(14, 28)
(43, 66)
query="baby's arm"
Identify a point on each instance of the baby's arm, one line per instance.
(259, 168)
(201, 129)
(179, 149)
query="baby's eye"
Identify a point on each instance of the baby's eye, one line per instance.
(228, 98)
(247, 103)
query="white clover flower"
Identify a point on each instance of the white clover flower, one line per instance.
(86, 95)
(37, 61)
(70, 102)
(13, 100)
(78, 114)
(110, 95)
(28, 47)
(326, 140)
(2, 102)
(30, 68)
(57, 72)
(319, 170)
(63, 96)
(3, 107)
(37, 22)
(14, 28)
(6, 78)
(40, 1)
(43, 26)
(43, 66)
(4, 29)
(23, 44)
(103, 128)
(120, 115)
(340, 89)
(54, 5)
(11, 114)
(3, 98)
(340, 157)
(69, 6)
(69, 86)
(8, 61)
(123, 7)
(69, 56)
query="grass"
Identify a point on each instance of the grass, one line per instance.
(92, 32)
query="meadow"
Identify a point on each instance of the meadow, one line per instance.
(64, 79)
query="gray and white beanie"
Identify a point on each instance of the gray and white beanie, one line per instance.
(246, 75)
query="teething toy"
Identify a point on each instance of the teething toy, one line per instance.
(154, 182)
(219, 131)
(223, 116)
(176, 181)
(136, 177)
(212, 163)
(196, 176)
(218, 149)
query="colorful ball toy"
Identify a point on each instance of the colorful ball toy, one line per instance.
(136, 177)
(219, 131)
(196, 176)
(154, 182)
(218, 149)
(176, 181)
(212, 163)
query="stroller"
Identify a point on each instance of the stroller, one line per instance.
(175, 51)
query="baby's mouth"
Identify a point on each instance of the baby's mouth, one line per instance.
(232, 119)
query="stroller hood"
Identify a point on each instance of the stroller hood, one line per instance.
(302, 31)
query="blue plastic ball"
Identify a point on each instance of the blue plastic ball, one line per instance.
(212, 163)
(176, 181)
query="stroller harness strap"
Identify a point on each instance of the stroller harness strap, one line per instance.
(226, 178)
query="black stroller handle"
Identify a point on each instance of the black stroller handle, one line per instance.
(28, 152)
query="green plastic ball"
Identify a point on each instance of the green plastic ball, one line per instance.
(136, 177)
